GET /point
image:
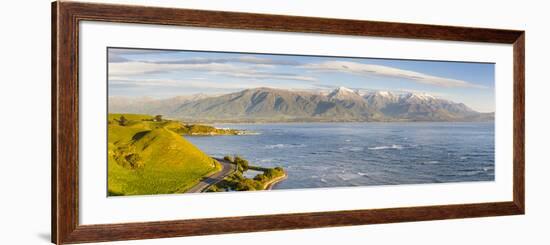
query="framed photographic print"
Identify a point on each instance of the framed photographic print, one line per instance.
(175, 122)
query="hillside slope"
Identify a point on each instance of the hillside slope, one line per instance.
(147, 157)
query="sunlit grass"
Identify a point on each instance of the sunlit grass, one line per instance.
(148, 157)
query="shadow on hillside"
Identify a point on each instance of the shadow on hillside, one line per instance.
(139, 135)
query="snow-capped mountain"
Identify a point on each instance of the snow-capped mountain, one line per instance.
(343, 93)
(380, 99)
(279, 105)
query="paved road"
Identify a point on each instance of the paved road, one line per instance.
(227, 169)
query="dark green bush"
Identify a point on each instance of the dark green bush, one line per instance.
(228, 158)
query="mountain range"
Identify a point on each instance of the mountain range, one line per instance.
(279, 105)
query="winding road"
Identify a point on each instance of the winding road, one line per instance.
(227, 169)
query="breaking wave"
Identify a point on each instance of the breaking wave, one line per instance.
(386, 147)
(279, 146)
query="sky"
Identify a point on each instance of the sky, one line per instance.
(169, 73)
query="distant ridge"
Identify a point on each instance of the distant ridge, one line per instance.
(279, 105)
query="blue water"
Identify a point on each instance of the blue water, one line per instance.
(361, 154)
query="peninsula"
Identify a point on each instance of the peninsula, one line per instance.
(238, 182)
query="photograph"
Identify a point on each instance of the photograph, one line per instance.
(192, 121)
(263, 122)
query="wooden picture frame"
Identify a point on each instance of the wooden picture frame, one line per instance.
(65, 121)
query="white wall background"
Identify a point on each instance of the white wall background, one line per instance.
(25, 128)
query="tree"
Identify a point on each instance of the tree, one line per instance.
(242, 163)
(122, 121)
(134, 160)
(158, 118)
(228, 158)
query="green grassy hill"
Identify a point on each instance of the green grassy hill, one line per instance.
(150, 157)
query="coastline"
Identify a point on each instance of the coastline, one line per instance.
(269, 185)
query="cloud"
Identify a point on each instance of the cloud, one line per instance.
(386, 71)
(118, 55)
(247, 59)
(132, 62)
(141, 68)
(172, 87)
(121, 82)
(132, 51)
(115, 58)
(266, 61)
(242, 59)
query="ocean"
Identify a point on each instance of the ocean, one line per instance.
(319, 155)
